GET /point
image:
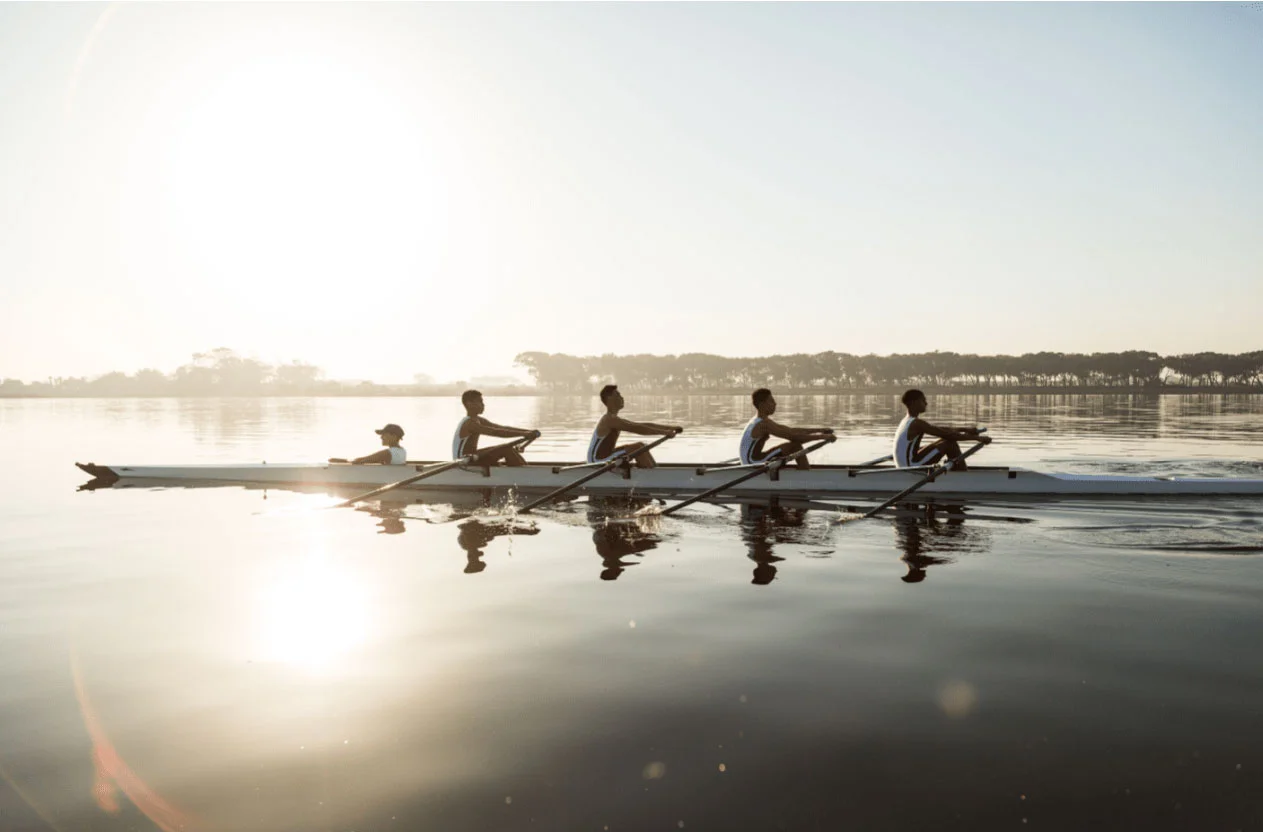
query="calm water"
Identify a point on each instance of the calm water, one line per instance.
(234, 659)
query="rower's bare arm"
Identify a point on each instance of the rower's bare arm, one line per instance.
(502, 431)
(381, 457)
(795, 434)
(958, 434)
(643, 428)
(486, 427)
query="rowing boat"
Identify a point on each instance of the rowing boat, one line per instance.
(820, 480)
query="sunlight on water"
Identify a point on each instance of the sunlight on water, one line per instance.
(314, 615)
(252, 659)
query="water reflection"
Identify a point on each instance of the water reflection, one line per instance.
(933, 535)
(228, 420)
(476, 533)
(389, 514)
(762, 526)
(617, 536)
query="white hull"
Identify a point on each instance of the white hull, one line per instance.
(823, 480)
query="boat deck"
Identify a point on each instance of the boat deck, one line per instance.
(680, 478)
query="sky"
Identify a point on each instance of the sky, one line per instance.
(392, 189)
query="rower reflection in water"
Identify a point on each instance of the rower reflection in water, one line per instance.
(919, 531)
(763, 525)
(474, 425)
(390, 515)
(475, 534)
(392, 454)
(615, 541)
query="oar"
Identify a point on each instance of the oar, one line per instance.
(777, 462)
(878, 461)
(929, 477)
(605, 466)
(433, 470)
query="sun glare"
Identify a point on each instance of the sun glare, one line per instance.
(314, 617)
(296, 168)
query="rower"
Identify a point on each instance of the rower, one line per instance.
(465, 440)
(604, 445)
(908, 451)
(392, 454)
(761, 427)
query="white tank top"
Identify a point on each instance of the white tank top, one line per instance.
(398, 456)
(594, 445)
(905, 448)
(458, 442)
(749, 445)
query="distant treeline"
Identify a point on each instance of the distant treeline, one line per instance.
(221, 372)
(837, 370)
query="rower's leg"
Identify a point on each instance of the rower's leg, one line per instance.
(488, 457)
(491, 457)
(802, 462)
(787, 448)
(949, 448)
(645, 460)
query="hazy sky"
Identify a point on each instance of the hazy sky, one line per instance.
(392, 189)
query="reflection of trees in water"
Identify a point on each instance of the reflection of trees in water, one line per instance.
(707, 417)
(583, 411)
(232, 419)
(702, 371)
(1132, 415)
(931, 538)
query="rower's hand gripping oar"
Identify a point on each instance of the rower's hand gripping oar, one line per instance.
(467, 459)
(605, 466)
(770, 465)
(929, 477)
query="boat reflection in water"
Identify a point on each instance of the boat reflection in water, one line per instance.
(931, 534)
